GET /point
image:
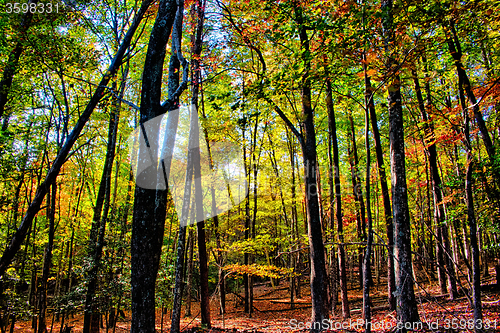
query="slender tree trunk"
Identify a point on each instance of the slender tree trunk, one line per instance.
(199, 10)
(471, 216)
(391, 282)
(295, 222)
(255, 162)
(47, 262)
(101, 209)
(191, 171)
(220, 257)
(367, 258)
(338, 202)
(246, 278)
(358, 199)
(333, 264)
(316, 247)
(189, 286)
(406, 304)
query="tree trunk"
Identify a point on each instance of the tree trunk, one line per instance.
(338, 201)
(358, 198)
(471, 216)
(150, 204)
(369, 240)
(189, 286)
(406, 304)
(199, 10)
(391, 282)
(47, 262)
(220, 257)
(101, 209)
(317, 253)
(333, 264)
(246, 278)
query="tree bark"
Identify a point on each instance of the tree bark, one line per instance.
(47, 263)
(386, 200)
(406, 304)
(317, 253)
(189, 282)
(199, 9)
(150, 204)
(333, 264)
(338, 201)
(220, 257)
(367, 258)
(101, 209)
(358, 198)
(471, 216)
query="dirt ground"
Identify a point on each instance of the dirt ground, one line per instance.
(273, 313)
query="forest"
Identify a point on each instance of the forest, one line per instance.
(249, 166)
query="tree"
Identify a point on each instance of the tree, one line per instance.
(101, 211)
(338, 201)
(150, 203)
(406, 304)
(196, 48)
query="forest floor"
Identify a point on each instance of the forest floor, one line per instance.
(273, 312)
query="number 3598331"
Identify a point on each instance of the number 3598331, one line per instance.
(33, 8)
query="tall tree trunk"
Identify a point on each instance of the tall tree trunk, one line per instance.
(101, 209)
(295, 222)
(47, 262)
(331, 188)
(358, 198)
(406, 304)
(246, 257)
(386, 200)
(192, 171)
(220, 257)
(254, 217)
(338, 201)
(369, 240)
(190, 264)
(150, 204)
(199, 11)
(471, 216)
(316, 248)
